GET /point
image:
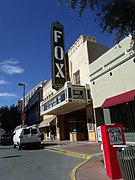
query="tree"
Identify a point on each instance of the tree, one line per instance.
(112, 15)
(9, 117)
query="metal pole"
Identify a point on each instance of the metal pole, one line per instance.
(23, 108)
(23, 121)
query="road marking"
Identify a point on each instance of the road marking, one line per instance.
(74, 170)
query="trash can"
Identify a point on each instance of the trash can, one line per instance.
(126, 160)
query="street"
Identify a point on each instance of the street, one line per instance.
(35, 164)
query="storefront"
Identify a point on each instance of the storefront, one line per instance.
(48, 127)
(113, 88)
(122, 111)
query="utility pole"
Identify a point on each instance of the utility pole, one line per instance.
(23, 115)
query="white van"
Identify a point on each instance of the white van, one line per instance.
(26, 136)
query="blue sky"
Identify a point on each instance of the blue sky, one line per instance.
(25, 42)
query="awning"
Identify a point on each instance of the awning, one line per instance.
(119, 99)
(47, 120)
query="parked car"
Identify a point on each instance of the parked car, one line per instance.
(6, 139)
(26, 136)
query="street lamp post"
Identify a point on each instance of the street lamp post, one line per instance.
(23, 114)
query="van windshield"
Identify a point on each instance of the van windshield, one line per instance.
(26, 131)
(33, 131)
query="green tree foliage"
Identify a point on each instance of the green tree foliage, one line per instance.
(112, 15)
(9, 117)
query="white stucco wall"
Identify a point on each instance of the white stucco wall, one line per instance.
(48, 91)
(78, 60)
(83, 49)
(118, 61)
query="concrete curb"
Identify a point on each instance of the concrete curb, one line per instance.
(71, 153)
(74, 170)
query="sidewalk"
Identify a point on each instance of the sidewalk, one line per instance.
(92, 168)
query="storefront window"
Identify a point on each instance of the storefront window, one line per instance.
(125, 114)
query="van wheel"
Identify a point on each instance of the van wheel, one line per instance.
(19, 147)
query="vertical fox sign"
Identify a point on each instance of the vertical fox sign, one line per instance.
(58, 60)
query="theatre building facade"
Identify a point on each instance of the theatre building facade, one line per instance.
(68, 113)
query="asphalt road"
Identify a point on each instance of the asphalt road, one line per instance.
(35, 164)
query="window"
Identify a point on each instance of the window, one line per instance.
(26, 131)
(77, 78)
(33, 131)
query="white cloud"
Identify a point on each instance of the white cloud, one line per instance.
(8, 95)
(11, 67)
(2, 82)
(10, 61)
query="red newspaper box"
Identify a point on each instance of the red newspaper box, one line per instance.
(112, 135)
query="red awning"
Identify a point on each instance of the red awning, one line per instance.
(119, 99)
